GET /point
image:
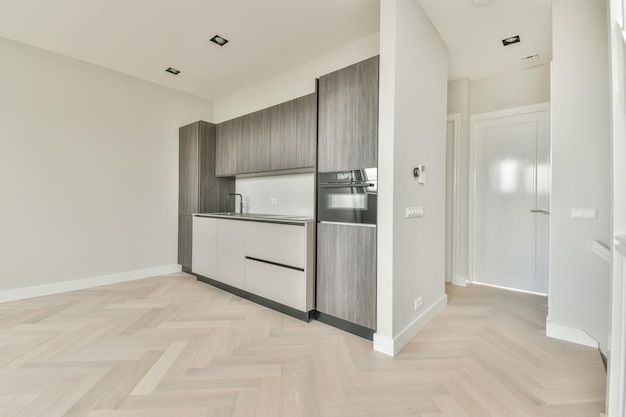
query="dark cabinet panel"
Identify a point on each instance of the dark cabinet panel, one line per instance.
(226, 147)
(212, 190)
(283, 142)
(348, 117)
(200, 191)
(188, 169)
(346, 273)
(254, 147)
(184, 241)
(306, 134)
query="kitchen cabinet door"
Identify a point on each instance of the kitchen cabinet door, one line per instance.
(204, 247)
(283, 142)
(230, 252)
(228, 137)
(346, 273)
(306, 133)
(254, 148)
(348, 117)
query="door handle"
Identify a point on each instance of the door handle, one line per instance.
(542, 211)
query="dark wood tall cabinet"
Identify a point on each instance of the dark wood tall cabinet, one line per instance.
(346, 253)
(348, 117)
(199, 190)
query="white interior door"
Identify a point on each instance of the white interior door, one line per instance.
(511, 200)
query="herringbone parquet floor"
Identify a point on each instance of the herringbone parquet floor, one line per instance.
(173, 347)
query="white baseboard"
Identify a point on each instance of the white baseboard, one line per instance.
(570, 334)
(391, 347)
(80, 284)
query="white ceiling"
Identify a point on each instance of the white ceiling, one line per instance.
(474, 34)
(144, 37)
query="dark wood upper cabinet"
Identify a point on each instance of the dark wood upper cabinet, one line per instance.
(226, 148)
(306, 130)
(253, 154)
(283, 140)
(348, 117)
(278, 138)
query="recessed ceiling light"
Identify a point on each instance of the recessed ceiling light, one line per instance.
(172, 71)
(481, 2)
(511, 40)
(220, 40)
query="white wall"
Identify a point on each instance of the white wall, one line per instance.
(295, 194)
(294, 83)
(515, 89)
(412, 131)
(579, 280)
(88, 169)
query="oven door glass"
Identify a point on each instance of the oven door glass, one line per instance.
(336, 201)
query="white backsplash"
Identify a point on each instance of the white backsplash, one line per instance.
(294, 194)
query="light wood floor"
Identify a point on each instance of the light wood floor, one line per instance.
(171, 346)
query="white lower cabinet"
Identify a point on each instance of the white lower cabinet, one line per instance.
(271, 260)
(230, 252)
(276, 283)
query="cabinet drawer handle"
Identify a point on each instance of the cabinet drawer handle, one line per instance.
(275, 263)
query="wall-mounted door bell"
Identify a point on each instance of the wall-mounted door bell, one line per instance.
(419, 172)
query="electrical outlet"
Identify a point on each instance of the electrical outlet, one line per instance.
(414, 212)
(273, 201)
(417, 304)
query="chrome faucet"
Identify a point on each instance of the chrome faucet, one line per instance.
(240, 200)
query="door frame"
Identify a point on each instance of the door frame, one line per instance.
(616, 377)
(481, 117)
(455, 220)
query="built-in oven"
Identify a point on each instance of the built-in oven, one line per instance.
(348, 196)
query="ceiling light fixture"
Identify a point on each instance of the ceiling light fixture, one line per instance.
(172, 71)
(220, 40)
(481, 2)
(511, 40)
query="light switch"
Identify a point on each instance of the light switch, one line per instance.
(590, 213)
(414, 212)
(585, 214)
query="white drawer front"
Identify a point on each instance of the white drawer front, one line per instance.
(280, 243)
(283, 285)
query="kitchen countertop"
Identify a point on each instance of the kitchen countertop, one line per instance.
(260, 217)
